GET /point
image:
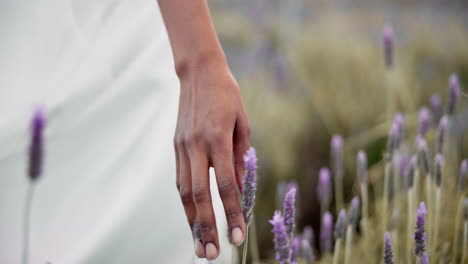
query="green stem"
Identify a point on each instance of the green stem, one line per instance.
(254, 243)
(244, 252)
(26, 222)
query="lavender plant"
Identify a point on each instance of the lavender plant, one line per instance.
(281, 239)
(420, 234)
(248, 193)
(340, 229)
(388, 251)
(324, 189)
(337, 160)
(289, 211)
(326, 232)
(35, 167)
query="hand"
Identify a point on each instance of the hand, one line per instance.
(212, 130)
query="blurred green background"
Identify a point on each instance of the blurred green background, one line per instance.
(309, 69)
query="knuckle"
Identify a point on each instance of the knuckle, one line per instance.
(217, 137)
(232, 216)
(226, 188)
(200, 194)
(185, 195)
(194, 139)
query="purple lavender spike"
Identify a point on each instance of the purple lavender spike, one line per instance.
(393, 141)
(441, 133)
(337, 152)
(438, 163)
(353, 214)
(362, 166)
(463, 173)
(289, 210)
(424, 121)
(307, 252)
(281, 239)
(308, 234)
(424, 258)
(249, 184)
(436, 106)
(410, 171)
(388, 45)
(36, 147)
(326, 233)
(454, 93)
(324, 188)
(295, 248)
(420, 232)
(388, 251)
(340, 227)
(423, 155)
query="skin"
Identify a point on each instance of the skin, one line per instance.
(212, 126)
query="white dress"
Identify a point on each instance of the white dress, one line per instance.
(103, 69)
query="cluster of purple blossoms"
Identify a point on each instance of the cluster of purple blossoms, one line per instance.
(289, 210)
(281, 239)
(388, 250)
(388, 46)
(326, 233)
(36, 147)
(424, 121)
(249, 184)
(362, 166)
(324, 188)
(340, 227)
(454, 93)
(420, 232)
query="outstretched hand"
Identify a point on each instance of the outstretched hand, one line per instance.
(212, 130)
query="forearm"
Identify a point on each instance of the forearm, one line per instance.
(192, 35)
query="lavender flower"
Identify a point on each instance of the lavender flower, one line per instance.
(441, 134)
(324, 188)
(307, 252)
(463, 173)
(281, 239)
(249, 184)
(436, 106)
(308, 234)
(388, 251)
(424, 258)
(362, 166)
(353, 214)
(388, 46)
(36, 147)
(410, 171)
(289, 210)
(337, 154)
(393, 141)
(326, 233)
(454, 93)
(423, 155)
(295, 248)
(420, 233)
(438, 163)
(424, 121)
(340, 226)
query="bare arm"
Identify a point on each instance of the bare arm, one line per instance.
(212, 126)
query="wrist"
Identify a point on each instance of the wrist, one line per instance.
(195, 62)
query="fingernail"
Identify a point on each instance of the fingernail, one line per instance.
(211, 251)
(237, 237)
(199, 249)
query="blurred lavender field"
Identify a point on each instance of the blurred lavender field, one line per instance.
(311, 69)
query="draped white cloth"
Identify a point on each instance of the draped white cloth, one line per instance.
(103, 70)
